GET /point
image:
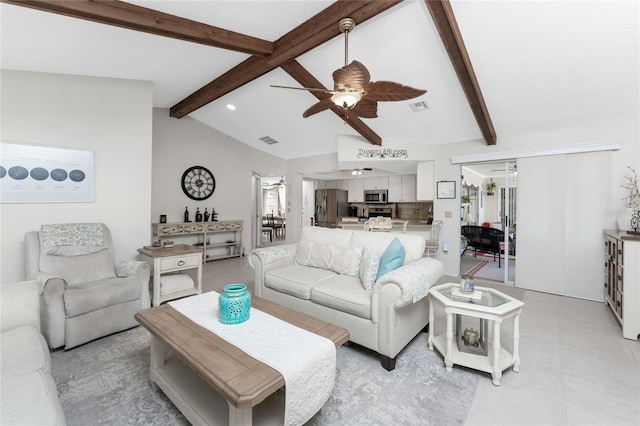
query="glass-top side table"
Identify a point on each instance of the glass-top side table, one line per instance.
(492, 307)
(488, 298)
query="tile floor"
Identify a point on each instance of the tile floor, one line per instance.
(576, 368)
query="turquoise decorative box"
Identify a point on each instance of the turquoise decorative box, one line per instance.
(234, 304)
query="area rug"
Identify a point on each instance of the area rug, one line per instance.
(486, 268)
(491, 272)
(106, 382)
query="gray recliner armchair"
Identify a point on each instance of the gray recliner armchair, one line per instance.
(84, 294)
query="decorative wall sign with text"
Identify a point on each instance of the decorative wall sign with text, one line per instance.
(382, 153)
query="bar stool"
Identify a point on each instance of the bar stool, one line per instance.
(433, 244)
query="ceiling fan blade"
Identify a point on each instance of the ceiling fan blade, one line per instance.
(355, 75)
(318, 107)
(310, 89)
(366, 108)
(391, 91)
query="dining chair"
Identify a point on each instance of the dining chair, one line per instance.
(267, 228)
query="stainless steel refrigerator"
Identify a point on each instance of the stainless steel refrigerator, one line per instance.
(331, 207)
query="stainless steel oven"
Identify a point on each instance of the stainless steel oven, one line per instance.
(375, 196)
(380, 211)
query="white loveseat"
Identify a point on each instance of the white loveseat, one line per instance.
(384, 317)
(28, 394)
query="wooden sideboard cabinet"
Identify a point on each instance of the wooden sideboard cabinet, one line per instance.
(622, 280)
(219, 239)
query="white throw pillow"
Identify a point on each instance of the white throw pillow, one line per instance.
(369, 268)
(315, 255)
(346, 261)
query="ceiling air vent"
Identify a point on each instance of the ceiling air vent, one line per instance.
(268, 140)
(419, 106)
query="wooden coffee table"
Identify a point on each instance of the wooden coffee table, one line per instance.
(209, 371)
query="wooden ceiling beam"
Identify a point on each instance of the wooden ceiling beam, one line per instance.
(130, 16)
(304, 77)
(309, 35)
(445, 21)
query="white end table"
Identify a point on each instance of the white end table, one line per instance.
(180, 257)
(494, 306)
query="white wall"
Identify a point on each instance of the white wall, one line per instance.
(109, 116)
(181, 143)
(296, 216)
(113, 117)
(623, 129)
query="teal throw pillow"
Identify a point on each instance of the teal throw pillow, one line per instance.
(392, 258)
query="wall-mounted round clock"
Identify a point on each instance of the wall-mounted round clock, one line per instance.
(198, 183)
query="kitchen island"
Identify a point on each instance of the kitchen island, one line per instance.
(397, 226)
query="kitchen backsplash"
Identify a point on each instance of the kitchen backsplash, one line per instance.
(414, 211)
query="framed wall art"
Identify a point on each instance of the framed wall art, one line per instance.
(447, 189)
(45, 174)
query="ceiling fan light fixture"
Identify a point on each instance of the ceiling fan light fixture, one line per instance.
(346, 100)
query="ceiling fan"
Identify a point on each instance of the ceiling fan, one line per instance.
(353, 90)
(280, 184)
(358, 172)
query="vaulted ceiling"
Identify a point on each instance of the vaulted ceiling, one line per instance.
(538, 64)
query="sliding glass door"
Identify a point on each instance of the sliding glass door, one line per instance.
(495, 210)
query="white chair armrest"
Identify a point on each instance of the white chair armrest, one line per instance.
(143, 271)
(131, 267)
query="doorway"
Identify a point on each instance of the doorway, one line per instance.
(270, 217)
(488, 222)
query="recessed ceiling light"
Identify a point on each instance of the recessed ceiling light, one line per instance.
(231, 107)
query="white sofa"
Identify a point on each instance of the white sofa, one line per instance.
(28, 394)
(385, 317)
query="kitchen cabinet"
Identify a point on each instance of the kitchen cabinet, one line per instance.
(356, 191)
(622, 280)
(424, 182)
(343, 184)
(409, 188)
(377, 182)
(402, 189)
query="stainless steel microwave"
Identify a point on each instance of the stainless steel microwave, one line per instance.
(375, 196)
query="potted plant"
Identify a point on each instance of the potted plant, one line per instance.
(491, 187)
(465, 199)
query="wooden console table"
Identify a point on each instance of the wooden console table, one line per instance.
(231, 230)
(622, 280)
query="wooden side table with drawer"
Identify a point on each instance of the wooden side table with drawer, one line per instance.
(181, 257)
